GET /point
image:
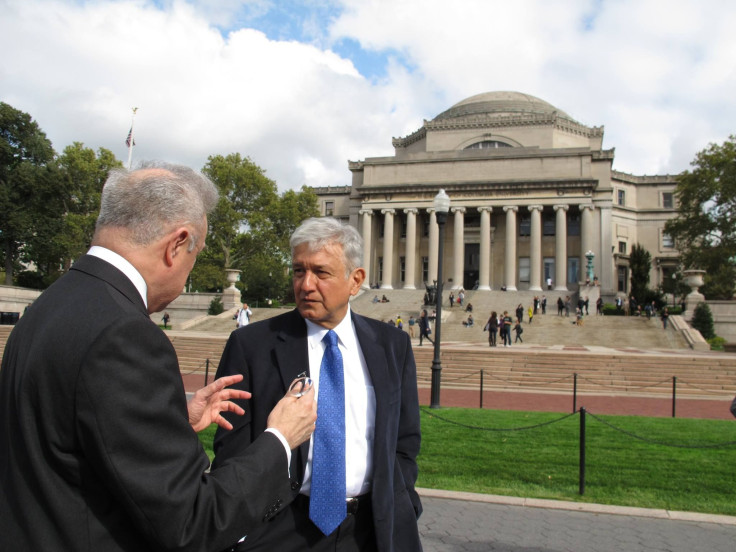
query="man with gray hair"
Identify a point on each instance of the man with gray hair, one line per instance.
(354, 481)
(99, 450)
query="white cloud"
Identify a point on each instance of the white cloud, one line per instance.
(659, 75)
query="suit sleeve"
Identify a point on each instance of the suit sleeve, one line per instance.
(132, 424)
(409, 434)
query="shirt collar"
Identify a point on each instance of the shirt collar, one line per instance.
(124, 266)
(344, 330)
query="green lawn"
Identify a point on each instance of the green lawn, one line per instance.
(543, 462)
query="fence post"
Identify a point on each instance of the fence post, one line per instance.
(574, 392)
(581, 486)
(674, 394)
(481, 389)
(206, 371)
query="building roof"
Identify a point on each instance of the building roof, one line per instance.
(501, 103)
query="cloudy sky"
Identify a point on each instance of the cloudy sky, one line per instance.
(301, 87)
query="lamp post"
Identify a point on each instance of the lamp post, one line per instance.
(441, 205)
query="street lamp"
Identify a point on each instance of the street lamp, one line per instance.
(441, 205)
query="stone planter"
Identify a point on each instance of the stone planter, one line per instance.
(694, 279)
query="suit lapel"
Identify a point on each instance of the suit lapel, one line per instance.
(292, 359)
(94, 266)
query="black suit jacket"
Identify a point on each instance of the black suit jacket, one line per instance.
(96, 452)
(273, 352)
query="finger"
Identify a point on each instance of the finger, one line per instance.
(227, 394)
(229, 380)
(223, 423)
(228, 406)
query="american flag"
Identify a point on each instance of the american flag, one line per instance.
(130, 137)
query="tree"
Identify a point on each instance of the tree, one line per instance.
(704, 230)
(703, 321)
(27, 177)
(80, 178)
(640, 262)
(250, 228)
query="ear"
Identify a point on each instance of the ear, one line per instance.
(357, 277)
(177, 242)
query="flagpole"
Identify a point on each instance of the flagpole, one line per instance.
(130, 140)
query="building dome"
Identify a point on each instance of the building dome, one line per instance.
(501, 103)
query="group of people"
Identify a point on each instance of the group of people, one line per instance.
(503, 325)
(100, 450)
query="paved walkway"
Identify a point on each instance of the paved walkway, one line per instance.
(467, 522)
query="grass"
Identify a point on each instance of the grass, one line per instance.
(543, 462)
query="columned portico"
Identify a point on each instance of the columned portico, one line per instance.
(434, 240)
(388, 248)
(561, 247)
(367, 215)
(411, 248)
(484, 272)
(509, 269)
(459, 247)
(535, 248)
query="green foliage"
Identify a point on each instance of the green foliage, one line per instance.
(716, 343)
(640, 262)
(216, 307)
(703, 321)
(609, 309)
(250, 229)
(27, 180)
(703, 230)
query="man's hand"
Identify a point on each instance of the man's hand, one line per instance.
(294, 417)
(207, 403)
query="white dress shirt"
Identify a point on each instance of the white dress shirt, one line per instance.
(360, 405)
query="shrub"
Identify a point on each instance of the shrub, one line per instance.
(703, 321)
(216, 306)
(716, 343)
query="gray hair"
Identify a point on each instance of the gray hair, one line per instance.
(149, 203)
(319, 233)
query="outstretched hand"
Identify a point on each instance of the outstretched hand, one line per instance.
(207, 404)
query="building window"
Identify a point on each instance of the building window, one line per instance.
(380, 269)
(668, 242)
(524, 269)
(425, 226)
(403, 227)
(573, 269)
(573, 224)
(402, 269)
(488, 144)
(623, 278)
(549, 225)
(525, 225)
(621, 198)
(329, 208)
(622, 247)
(668, 200)
(425, 269)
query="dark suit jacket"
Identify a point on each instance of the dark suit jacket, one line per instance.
(96, 452)
(273, 352)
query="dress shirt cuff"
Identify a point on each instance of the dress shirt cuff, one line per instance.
(284, 442)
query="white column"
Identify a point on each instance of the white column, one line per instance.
(434, 241)
(459, 247)
(388, 248)
(561, 247)
(411, 248)
(586, 238)
(484, 276)
(535, 249)
(605, 256)
(367, 215)
(509, 259)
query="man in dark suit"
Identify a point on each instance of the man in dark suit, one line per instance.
(380, 397)
(97, 448)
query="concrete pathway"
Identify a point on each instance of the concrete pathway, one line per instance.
(469, 522)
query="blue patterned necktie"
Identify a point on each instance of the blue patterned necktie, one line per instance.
(327, 506)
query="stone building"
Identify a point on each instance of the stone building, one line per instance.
(532, 191)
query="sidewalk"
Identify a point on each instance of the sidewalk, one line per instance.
(454, 522)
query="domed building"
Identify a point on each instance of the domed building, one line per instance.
(532, 192)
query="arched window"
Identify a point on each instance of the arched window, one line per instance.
(487, 144)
